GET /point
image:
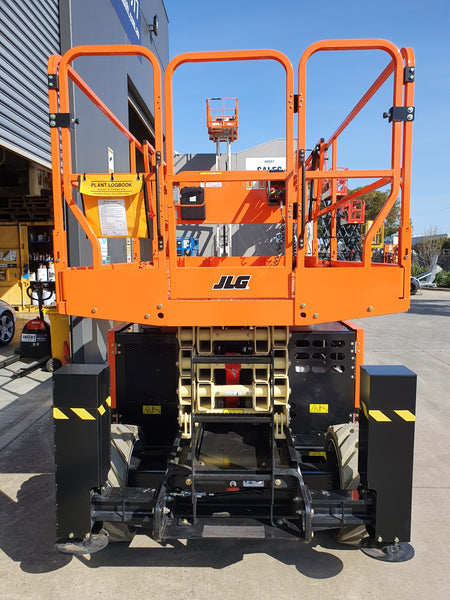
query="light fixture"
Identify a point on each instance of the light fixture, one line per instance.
(155, 25)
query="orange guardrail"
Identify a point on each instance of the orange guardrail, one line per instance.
(305, 280)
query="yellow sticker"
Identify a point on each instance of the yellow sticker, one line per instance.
(83, 414)
(318, 408)
(406, 415)
(378, 415)
(151, 409)
(235, 411)
(102, 185)
(58, 414)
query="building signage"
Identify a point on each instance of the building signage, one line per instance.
(257, 163)
(129, 14)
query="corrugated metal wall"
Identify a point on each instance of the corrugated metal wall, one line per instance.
(29, 33)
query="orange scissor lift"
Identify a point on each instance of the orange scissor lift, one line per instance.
(238, 356)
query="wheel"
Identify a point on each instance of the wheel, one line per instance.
(123, 441)
(342, 442)
(7, 328)
(53, 364)
(414, 286)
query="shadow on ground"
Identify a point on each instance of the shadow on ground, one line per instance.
(427, 306)
(28, 526)
(28, 530)
(311, 560)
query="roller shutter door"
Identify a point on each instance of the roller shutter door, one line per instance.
(29, 33)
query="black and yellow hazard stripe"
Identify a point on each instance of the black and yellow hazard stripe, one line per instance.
(388, 416)
(83, 414)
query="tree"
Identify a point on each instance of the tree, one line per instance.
(374, 203)
(431, 245)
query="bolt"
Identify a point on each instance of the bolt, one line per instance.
(379, 539)
(411, 77)
(71, 535)
(147, 316)
(94, 310)
(303, 305)
(233, 484)
(315, 315)
(409, 117)
(52, 123)
(188, 482)
(396, 540)
(57, 260)
(52, 116)
(277, 482)
(370, 308)
(87, 536)
(409, 109)
(406, 256)
(159, 306)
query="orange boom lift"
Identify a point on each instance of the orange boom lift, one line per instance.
(237, 395)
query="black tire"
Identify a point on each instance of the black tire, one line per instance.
(7, 328)
(53, 364)
(123, 441)
(342, 442)
(414, 286)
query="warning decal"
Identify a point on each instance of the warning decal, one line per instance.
(151, 409)
(318, 408)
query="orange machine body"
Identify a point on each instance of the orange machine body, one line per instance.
(299, 286)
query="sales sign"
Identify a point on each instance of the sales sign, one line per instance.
(260, 163)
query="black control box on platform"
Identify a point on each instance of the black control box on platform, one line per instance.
(193, 204)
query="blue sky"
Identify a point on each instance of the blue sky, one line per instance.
(334, 81)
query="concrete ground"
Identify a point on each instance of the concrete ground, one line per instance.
(30, 569)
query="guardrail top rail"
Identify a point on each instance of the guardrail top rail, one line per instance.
(297, 284)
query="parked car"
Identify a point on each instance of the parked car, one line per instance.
(7, 323)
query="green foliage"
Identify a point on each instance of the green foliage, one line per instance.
(417, 269)
(374, 203)
(446, 244)
(443, 279)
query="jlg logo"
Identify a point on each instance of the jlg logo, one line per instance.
(226, 282)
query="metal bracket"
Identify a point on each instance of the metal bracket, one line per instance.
(53, 82)
(409, 74)
(62, 120)
(400, 113)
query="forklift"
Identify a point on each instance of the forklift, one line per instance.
(235, 402)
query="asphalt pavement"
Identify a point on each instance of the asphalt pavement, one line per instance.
(31, 569)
